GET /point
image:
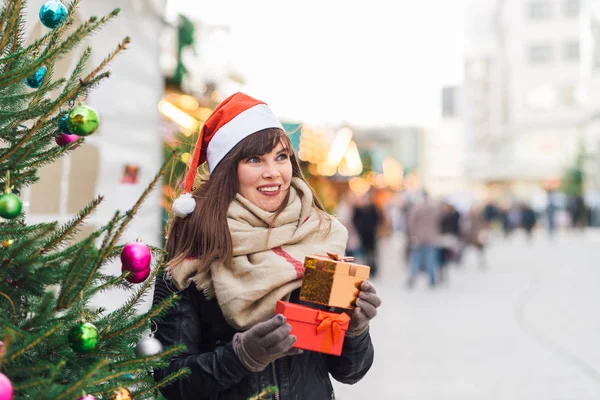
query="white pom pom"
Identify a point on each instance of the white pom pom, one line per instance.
(184, 205)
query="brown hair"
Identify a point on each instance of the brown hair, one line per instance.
(204, 234)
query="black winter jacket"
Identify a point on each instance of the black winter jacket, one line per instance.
(217, 373)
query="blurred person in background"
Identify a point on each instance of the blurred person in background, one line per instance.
(449, 242)
(577, 212)
(423, 223)
(366, 219)
(475, 233)
(551, 209)
(528, 219)
(344, 214)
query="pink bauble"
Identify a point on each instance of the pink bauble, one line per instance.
(6, 389)
(63, 139)
(87, 397)
(136, 256)
(137, 276)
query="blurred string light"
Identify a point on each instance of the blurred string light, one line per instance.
(188, 102)
(359, 185)
(185, 157)
(393, 172)
(188, 123)
(339, 147)
(351, 164)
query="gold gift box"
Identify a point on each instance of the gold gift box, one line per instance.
(332, 280)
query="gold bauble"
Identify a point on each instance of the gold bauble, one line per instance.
(121, 394)
(8, 243)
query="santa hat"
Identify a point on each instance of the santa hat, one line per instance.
(236, 118)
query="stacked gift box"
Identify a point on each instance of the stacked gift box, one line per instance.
(331, 281)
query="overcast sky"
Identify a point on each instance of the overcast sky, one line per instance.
(375, 62)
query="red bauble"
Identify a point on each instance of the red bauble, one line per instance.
(137, 276)
(64, 139)
(136, 256)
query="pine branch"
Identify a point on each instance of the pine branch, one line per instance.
(11, 24)
(78, 70)
(164, 382)
(9, 6)
(29, 344)
(31, 383)
(41, 121)
(47, 57)
(143, 361)
(161, 308)
(43, 310)
(133, 300)
(25, 244)
(12, 305)
(12, 231)
(70, 226)
(83, 381)
(14, 98)
(48, 156)
(70, 278)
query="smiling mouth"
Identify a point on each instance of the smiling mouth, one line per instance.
(270, 190)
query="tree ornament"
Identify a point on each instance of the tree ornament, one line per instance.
(136, 256)
(83, 120)
(35, 80)
(62, 124)
(6, 244)
(137, 276)
(10, 205)
(87, 397)
(148, 346)
(6, 388)
(83, 337)
(121, 394)
(64, 139)
(53, 14)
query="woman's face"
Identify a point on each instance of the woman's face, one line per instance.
(264, 180)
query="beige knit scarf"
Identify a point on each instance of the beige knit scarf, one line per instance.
(262, 271)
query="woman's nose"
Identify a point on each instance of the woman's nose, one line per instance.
(271, 171)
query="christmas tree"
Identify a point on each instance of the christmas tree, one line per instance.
(56, 344)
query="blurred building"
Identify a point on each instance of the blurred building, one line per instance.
(524, 99)
(443, 170)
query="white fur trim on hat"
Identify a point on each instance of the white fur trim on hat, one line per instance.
(184, 205)
(244, 124)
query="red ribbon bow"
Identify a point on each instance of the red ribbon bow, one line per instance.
(330, 324)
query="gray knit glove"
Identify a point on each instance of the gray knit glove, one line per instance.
(264, 343)
(365, 310)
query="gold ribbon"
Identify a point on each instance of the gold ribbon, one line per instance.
(330, 324)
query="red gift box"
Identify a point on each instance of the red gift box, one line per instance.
(315, 330)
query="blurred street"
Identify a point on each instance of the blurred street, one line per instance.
(524, 327)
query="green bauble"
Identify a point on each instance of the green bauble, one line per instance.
(10, 206)
(83, 121)
(83, 337)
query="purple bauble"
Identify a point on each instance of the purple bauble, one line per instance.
(6, 388)
(87, 397)
(137, 276)
(136, 257)
(64, 139)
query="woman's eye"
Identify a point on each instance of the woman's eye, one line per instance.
(282, 157)
(253, 160)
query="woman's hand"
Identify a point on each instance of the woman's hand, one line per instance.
(365, 310)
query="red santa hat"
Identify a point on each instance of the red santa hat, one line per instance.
(236, 118)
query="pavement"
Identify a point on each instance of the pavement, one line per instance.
(526, 326)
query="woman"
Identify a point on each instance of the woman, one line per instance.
(237, 246)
